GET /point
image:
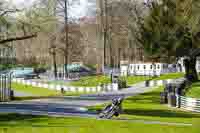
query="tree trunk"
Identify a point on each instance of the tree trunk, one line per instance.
(100, 43)
(190, 69)
(66, 38)
(119, 57)
(54, 65)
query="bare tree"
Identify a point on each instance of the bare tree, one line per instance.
(100, 55)
(52, 51)
(4, 13)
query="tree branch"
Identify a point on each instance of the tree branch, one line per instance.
(17, 38)
(8, 11)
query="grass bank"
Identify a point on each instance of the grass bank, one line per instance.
(194, 90)
(39, 92)
(12, 123)
(91, 81)
(147, 107)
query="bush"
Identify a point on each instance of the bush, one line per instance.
(122, 83)
(6, 66)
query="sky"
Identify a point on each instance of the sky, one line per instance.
(80, 8)
(22, 3)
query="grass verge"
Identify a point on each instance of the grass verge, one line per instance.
(194, 90)
(91, 81)
(147, 107)
(12, 123)
(38, 92)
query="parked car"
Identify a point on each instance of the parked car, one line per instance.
(82, 71)
(31, 76)
(26, 73)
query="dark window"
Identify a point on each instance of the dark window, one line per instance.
(138, 67)
(151, 67)
(144, 66)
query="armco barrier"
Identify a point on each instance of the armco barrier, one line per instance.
(187, 103)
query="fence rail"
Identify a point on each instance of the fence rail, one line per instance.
(187, 103)
(5, 87)
(104, 88)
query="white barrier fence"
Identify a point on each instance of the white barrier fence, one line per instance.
(187, 103)
(153, 83)
(104, 88)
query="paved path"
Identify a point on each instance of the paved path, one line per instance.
(75, 104)
(22, 94)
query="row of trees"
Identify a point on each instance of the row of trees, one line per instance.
(56, 31)
(6, 23)
(158, 27)
(117, 30)
(161, 28)
(172, 25)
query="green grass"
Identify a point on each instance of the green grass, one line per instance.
(130, 80)
(12, 123)
(38, 92)
(91, 81)
(194, 90)
(169, 76)
(142, 107)
(135, 79)
(147, 107)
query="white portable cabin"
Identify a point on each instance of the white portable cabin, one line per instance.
(144, 69)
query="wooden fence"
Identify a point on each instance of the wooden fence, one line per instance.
(5, 87)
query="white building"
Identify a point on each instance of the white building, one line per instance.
(154, 69)
(144, 69)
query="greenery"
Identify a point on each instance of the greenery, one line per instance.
(91, 81)
(5, 66)
(194, 90)
(147, 107)
(169, 76)
(135, 79)
(130, 80)
(172, 25)
(34, 90)
(38, 92)
(13, 123)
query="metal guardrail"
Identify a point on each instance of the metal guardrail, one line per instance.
(5, 87)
